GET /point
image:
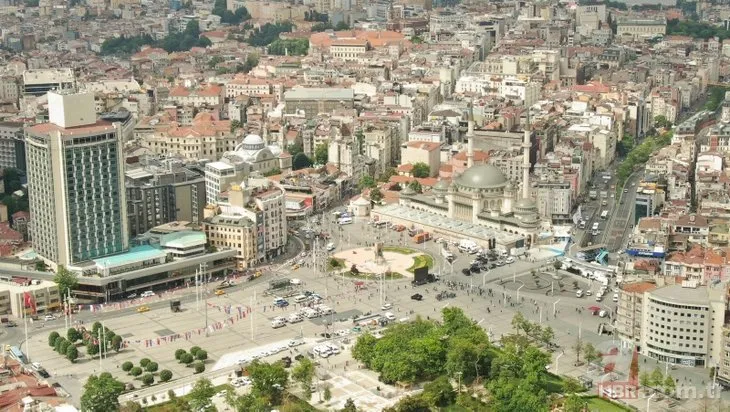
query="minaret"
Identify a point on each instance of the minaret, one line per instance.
(470, 144)
(526, 145)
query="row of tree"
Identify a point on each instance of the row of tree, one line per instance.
(230, 17)
(696, 29)
(174, 42)
(187, 358)
(145, 364)
(291, 47)
(268, 33)
(95, 341)
(324, 26)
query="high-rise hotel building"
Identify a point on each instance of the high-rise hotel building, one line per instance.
(76, 183)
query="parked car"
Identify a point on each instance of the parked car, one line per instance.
(147, 294)
(386, 306)
(131, 296)
(417, 296)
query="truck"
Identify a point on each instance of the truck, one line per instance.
(604, 194)
(422, 237)
(517, 251)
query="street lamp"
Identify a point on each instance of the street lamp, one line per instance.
(518, 292)
(555, 311)
(484, 278)
(649, 400)
(557, 358)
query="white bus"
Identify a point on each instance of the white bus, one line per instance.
(345, 221)
(604, 214)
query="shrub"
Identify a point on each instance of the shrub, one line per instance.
(72, 353)
(194, 350)
(165, 375)
(52, 339)
(95, 328)
(144, 362)
(64, 347)
(73, 335)
(179, 353)
(148, 379)
(186, 359)
(136, 371)
(202, 355)
(127, 366)
(59, 342)
(199, 367)
(152, 367)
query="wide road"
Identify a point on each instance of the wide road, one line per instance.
(622, 220)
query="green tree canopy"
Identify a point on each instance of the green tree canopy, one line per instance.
(416, 186)
(303, 373)
(301, 161)
(66, 280)
(268, 380)
(376, 195)
(268, 33)
(366, 181)
(421, 169)
(199, 396)
(321, 154)
(101, 393)
(291, 47)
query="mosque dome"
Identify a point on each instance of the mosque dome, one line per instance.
(482, 177)
(252, 142)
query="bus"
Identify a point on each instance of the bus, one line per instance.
(604, 214)
(18, 354)
(345, 220)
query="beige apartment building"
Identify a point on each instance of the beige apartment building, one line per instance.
(44, 295)
(635, 29)
(206, 138)
(233, 231)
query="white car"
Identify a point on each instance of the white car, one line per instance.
(389, 316)
(510, 260)
(386, 306)
(147, 294)
(49, 317)
(295, 342)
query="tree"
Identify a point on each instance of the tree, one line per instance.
(645, 379)
(200, 395)
(64, 347)
(376, 195)
(148, 379)
(72, 353)
(657, 378)
(187, 359)
(66, 280)
(415, 186)
(52, 338)
(303, 373)
(387, 174)
(578, 347)
(136, 371)
(235, 124)
(268, 380)
(421, 169)
(194, 350)
(95, 328)
(439, 392)
(411, 403)
(144, 362)
(101, 393)
(590, 353)
(92, 349)
(669, 385)
(571, 385)
(41, 266)
(116, 343)
(152, 367)
(127, 366)
(366, 181)
(662, 122)
(573, 403)
(349, 406)
(201, 355)
(199, 367)
(59, 342)
(179, 353)
(301, 161)
(327, 394)
(321, 154)
(165, 375)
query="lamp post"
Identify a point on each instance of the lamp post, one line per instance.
(557, 359)
(555, 310)
(649, 400)
(518, 293)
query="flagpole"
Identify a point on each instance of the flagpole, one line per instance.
(25, 323)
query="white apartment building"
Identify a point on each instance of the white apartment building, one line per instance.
(682, 324)
(521, 91)
(218, 177)
(348, 49)
(38, 82)
(555, 201)
(12, 150)
(233, 231)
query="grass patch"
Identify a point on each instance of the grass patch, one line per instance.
(335, 263)
(399, 249)
(596, 404)
(371, 276)
(169, 407)
(421, 261)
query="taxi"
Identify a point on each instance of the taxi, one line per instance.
(143, 309)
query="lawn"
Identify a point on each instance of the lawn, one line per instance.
(331, 260)
(421, 261)
(596, 404)
(399, 249)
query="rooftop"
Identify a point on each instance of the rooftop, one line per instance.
(183, 239)
(320, 93)
(137, 254)
(682, 295)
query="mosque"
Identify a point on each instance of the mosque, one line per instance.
(481, 197)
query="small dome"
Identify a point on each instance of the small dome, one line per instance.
(441, 186)
(252, 142)
(482, 177)
(407, 191)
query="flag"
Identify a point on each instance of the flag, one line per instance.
(29, 302)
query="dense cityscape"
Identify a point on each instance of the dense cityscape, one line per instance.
(394, 205)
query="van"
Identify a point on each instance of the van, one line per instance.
(330, 247)
(301, 298)
(608, 392)
(615, 297)
(578, 293)
(147, 294)
(344, 221)
(277, 323)
(294, 318)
